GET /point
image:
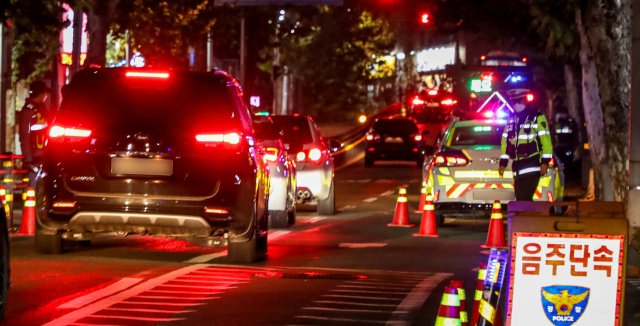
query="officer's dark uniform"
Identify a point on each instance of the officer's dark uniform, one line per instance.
(32, 122)
(527, 141)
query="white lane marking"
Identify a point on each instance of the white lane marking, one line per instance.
(138, 318)
(148, 285)
(404, 186)
(385, 181)
(346, 208)
(360, 321)
(206, 258)
(375, 287)
(370, 200)
(346, 303)
(161, 303)
(311, 220)
(207, 275)
(151, 310)
(352, 310)
(358, 297)
(374, 281)
(104, 292)
(376, 292)
(362, 245)
(364, 180)
(416, 298)
(204, 281)
(387, 193)
(277, 234)
(184, 292)
(83, 324)
(414, 181)
(199, 287)
(169, 297)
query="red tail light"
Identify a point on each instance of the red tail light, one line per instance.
(301, 157)
(417, 137)
(163, 75)
(62, 204)
(315, 155)
(232, 138)
(550, 196)
(446, 160)
(552, 162)
(433, 92)
(271, 154)
(417, 101)
(448, 102)
(216, 211)
(57, 133)
(435, 198)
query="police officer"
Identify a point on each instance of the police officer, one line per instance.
(527, 141)
(32, 125)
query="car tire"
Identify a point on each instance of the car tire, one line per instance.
(243, 252)
(50, 244)
(328, 206)
(278, 219)
(291, 215)
(439, 219)
(84, 243)
(368, 161)
(4, 278)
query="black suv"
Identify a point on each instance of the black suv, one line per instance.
(393, 139)
(168, 153)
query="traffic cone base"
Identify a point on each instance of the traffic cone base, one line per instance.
(428, 227)
(28, 225)
(495, 237)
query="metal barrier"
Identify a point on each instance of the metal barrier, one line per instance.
(15, 179)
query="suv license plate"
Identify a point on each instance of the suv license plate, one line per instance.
(141, 166)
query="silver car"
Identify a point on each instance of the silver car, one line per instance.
(314, 163)
(282, 172)
(462, 174)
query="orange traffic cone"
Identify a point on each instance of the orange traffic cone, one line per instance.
(3, 198)
(28, 226)
(482, 274)
(401, 217)
(459, 286)
(428, 227)
(495, 238)
(449, 313)
(423, 194)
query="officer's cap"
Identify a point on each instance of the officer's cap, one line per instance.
(38, 87)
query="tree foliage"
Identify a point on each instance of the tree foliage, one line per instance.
(331, 54)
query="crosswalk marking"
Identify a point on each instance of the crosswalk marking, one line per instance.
(370, 200)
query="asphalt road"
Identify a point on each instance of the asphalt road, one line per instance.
(346, 269)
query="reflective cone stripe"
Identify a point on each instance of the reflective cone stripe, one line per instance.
(423, 194)
(495, 237)
(482, 274)
(459, 286)
(538, 193)
(449, 313)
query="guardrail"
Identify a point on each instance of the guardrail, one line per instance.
(352, 142)
(14, 180)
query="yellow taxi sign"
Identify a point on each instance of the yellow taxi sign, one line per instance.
(482, 174)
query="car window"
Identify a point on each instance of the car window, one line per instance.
(104, 101)
(295, 129)
(395, 125)
(475, 135)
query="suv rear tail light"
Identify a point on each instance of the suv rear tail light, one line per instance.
(450, 160)
(448, 102)
(315, 155)
(232, 138)
(550, 196)
(216, 211)
(271, 154)
(417, 137)
(163, 75)
(417, 101)
(62, 204)
(58, 133)
(301, 156)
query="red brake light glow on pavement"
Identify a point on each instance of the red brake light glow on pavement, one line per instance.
(62, 204)
(57, 131)
(271, 154)
(163, 75)
(315, 154)
(216, 211)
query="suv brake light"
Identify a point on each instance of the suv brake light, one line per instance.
(147, 74)
(232, 138)
(314, 155)
(57, 131)
(449, 160)
(552, 162)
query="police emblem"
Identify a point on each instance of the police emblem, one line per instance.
(564, 304)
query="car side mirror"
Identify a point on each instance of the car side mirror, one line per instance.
(267, 131)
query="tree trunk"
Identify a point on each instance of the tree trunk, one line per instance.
(592, 111)
(99, 21)
(573, 106)
(607, 24)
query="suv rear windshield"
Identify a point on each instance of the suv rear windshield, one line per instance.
(184, 100)
(296, 129)
(395, 125)
(476, 135)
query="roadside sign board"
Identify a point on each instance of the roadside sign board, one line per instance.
(278, 2)
(562, 279)
(568, 269)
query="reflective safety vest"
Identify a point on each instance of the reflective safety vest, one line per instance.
(37, 126)
(527, 141)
